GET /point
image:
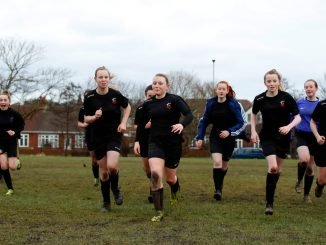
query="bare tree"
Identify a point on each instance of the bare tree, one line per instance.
(183, 84)
(296, 94)
(20, 77)
(68, 108)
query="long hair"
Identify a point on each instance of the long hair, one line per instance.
(279, 76)
(231, 92)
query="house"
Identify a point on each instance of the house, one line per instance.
(51, 132)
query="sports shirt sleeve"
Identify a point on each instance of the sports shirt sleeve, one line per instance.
(255, 106)
(124, 102)
(203, 123)
(81, 115)
(240, 123)
(293, 106)
(185, 111)
(141, 121)
(316, 113)
(18, 125)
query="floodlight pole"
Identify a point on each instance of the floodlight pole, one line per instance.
(213, 70)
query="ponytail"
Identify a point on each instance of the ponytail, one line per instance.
(231, 92)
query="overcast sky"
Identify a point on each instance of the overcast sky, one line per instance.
(136, 39)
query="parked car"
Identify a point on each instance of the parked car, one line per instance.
(248, 153)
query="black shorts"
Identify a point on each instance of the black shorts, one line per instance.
(320, 155)
(306, 139)
(223, 146)
(9, 147)
(101, 149)
(143, 148)
(89, 140)
(168, 150)
(280, 146)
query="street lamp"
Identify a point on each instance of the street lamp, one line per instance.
(213, 70)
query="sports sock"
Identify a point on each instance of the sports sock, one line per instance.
(175, 187)
(271, 181)
(114, 179)
(95, 170)
(7, 178)
(307, 183)
(105, 188)
(158, 199)
(218, 176)
(301, 170)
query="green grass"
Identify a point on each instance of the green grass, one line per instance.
(55, 203)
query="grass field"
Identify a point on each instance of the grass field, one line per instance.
(55, 203)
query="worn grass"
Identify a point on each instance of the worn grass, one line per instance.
(55, 203)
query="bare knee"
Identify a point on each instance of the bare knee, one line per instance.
(171, 180)
(155, 180)
(113, 170)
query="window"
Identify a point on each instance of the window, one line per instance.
(79, 141)
(48, 140)
(238, 143)
(67, 145)
(24, 140)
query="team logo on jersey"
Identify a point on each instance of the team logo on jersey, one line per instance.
(114, 101)
(282, 103)
(169, 106)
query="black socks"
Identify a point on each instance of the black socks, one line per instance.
(105, 188)
(7, 178)
(218, 177)
(271, 181)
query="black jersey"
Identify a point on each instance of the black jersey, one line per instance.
(319, 116)
(10, 120)
(143, 132)
(164, 113)
(276, 111)
(221, 117)
(106, 126)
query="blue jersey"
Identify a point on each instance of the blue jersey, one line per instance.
(306, 108)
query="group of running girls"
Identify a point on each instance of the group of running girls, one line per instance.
(159, 135)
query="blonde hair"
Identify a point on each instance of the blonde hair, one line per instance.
(103, 68)
(5, 92)
(279, 76)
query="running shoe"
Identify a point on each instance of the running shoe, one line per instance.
(9, 192)
(96, 182)
(218, 195)
(158, 217)
(269, 209)
(174, 197)
(106, 207)
(118, 197)
(298, 186)
(307, 199)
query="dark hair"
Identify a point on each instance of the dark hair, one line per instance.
(312, 80)
(231, 92)
(149, 87)
(164, 76)
(103, 68)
